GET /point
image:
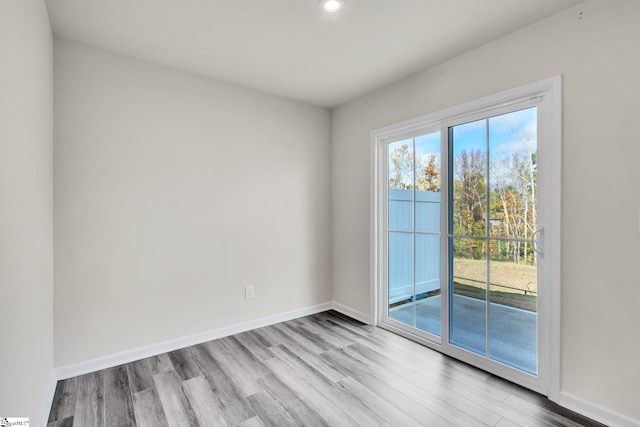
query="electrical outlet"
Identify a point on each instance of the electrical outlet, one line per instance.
(249, 292)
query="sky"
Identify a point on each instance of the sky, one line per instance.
(502, 131)
(503, 136)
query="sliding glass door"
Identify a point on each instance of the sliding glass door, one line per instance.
(492, 220)
(460, 262)
(414, 232)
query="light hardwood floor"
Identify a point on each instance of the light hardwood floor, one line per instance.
(325, 369)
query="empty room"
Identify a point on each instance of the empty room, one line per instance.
(319, 212)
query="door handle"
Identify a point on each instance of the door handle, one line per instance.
(538, 241)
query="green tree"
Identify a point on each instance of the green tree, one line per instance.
(513, 199)
(401, 168)
(429, 180)
(469, 199)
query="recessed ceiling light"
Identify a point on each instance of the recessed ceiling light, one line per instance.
(332, 5)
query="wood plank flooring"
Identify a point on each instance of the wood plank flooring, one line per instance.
(320, 370)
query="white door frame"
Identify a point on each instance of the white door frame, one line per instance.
(546, 94)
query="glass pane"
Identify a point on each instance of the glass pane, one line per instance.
(428, 283)
(469, 148)
(401, 184)
(428, 182)
(513, 314)
(513, 174)
(513, 191)
(401, 292)
(468, 326)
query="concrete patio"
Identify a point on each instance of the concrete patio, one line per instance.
(513, 330)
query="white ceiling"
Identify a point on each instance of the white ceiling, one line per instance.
(292, 48)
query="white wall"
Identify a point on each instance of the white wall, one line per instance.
(173, 192)
(26, 229)
(595, 47)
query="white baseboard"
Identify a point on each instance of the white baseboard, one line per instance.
(354, 314)
(567, 400)
(44, 416)
(132, 355)
(596, 412)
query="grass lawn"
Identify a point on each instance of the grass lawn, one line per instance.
(468, 273)
(525, 302)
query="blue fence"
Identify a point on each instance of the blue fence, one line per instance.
(401, 243)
